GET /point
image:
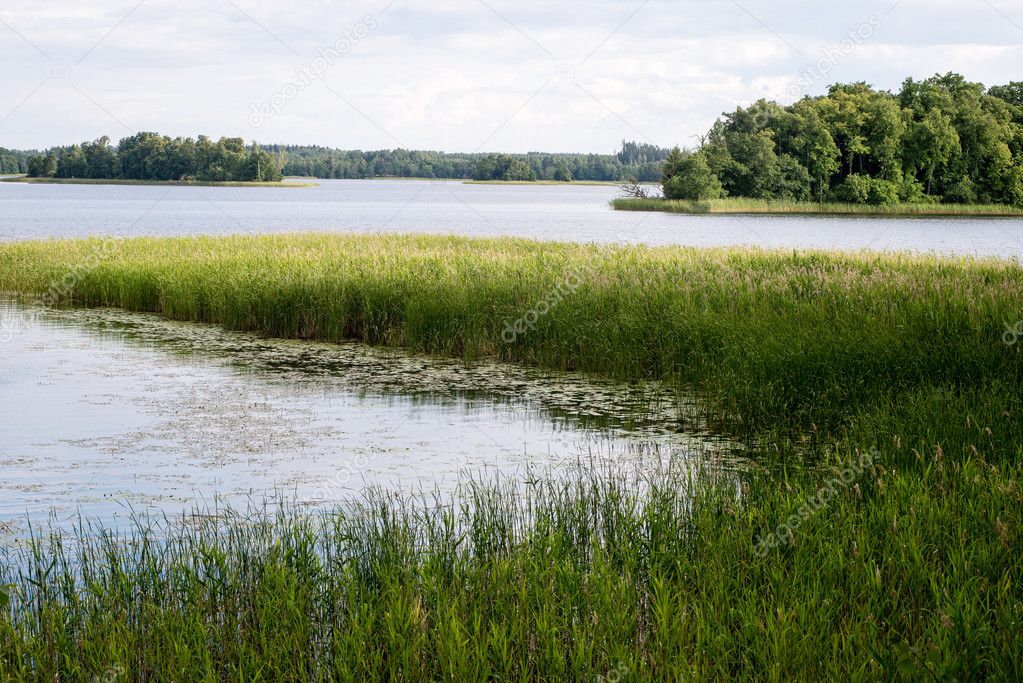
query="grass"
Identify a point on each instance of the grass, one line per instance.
(914, 569)
(907, 575)
(737, 205)
(771, 338)
(125, 181)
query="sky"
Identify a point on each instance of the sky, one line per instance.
(464, 75)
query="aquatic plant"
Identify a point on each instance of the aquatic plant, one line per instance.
(738, 205)
(772, 339)
(575, 576)
(912, 568)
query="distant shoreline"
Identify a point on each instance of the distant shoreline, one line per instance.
(306, 181)
(128, 181)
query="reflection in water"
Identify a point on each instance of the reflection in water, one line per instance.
(106, 411)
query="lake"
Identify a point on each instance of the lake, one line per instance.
(106, 412)
(555, 212)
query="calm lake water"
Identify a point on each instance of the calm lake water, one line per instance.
(105, 412)
(558, 212)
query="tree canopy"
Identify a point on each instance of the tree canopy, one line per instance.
(941, 139)
(13, 161)
(150, 156)
(634, 160)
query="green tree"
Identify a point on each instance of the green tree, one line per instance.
(100, 158)
(688, 176)
(73, 163)
(811, 141)
(929, 144)
(261, 166)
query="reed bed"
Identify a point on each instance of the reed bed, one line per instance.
(911, 569)
(772, 339)
(740, 205)
(594, 576)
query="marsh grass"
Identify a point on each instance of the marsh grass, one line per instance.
(740, 205)
(566, 578)
(772, 340)
(912, 571)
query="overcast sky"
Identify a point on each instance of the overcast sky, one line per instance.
(463, 75)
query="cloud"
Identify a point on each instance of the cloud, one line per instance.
(452, 74)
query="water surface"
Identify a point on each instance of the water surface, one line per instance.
(106, 411)
(557, 212)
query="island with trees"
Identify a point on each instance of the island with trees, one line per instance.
(150, 157)
(943, 145)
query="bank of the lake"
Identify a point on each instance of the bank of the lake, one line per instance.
(774, 338)
(173, 183)
(739, 205)
(880, 538)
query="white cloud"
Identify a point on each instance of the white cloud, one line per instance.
(448, 74)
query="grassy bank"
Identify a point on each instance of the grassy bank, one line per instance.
(772, 339)
(912, 568)
(765, 206)
(123, 181)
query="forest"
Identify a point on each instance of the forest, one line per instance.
(943, 139)
(150, 156)
(14, 161)
(633, 161)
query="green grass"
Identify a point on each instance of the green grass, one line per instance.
(124, 181)
(772, 339)
(903, 576)
(912, 571)
(737, 205)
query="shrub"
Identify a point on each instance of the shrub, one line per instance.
(689, 177)
(912, 191)
(883, 192)
(963, 191)
(862, 189)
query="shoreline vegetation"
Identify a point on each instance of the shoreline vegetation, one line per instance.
(285, 182)
(943, 140)
(819, 562)
(592, 575)
(738, 205)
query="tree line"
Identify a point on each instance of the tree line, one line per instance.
(150, 156)
(639, 161)
(943, 139)
(13, 161)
